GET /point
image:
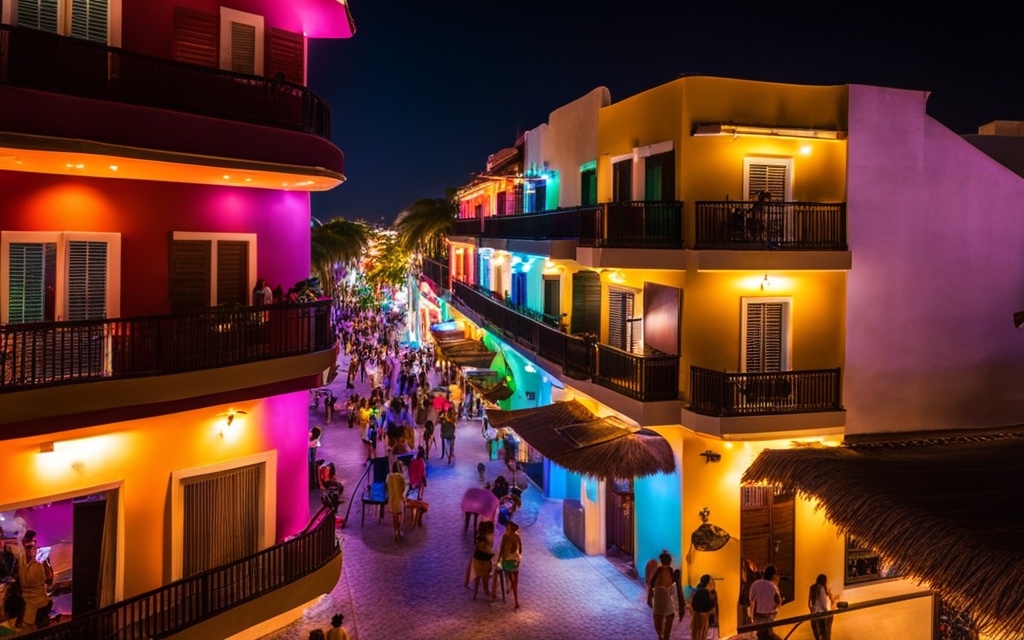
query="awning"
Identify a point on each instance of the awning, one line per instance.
(462, 351)
(570, 435)
(943, 507)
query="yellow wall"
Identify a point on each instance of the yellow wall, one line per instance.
(138, 457)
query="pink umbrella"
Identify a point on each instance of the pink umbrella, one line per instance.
(479, 502)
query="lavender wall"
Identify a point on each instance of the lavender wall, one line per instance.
(937, 236)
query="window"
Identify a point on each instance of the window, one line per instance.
(92, 20)
(208, 270)
(586, 303)
(864, 564)
(659, 177)
(485, 271)
(765, 345)
(241, 42)
(553, 296)
(588, 187)
(499, 208)
(773, 175)
(519, 288)
(55, 276)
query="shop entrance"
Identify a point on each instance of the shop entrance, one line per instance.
(619, 517)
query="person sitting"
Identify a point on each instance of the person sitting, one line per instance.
(500, 488)
(329, 479)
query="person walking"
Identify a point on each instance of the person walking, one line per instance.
(510, 553)
(765, 601)
(483, 555)
(448, 437)
(703, 602)
(396, 486)
(820, 600)
(662, 585)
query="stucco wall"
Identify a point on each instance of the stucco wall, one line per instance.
(936, 234)
(147, 213)
(139, 457)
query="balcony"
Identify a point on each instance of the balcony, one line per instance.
(437, 271)
(264, 585)
(37, 60)
(789, 226)
(640, 377)
(722, 394)
(50, 354)
(647, 225)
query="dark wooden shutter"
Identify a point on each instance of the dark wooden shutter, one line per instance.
(196, 35)
(89, 20)
(233, 272)
(588, 187)
(552, 296)
(768, 532)
(764, 336)
(586, 303)
(285, 55)
(768, 177)
(620, 310)
(622, 181)
(190, 275)
(221, 519)
(87, 280)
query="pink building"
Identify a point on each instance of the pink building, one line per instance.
(156, 160)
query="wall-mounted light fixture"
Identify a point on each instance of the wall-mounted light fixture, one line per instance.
(46, 447)
(711, 456)
(766, 283)
(229, 418)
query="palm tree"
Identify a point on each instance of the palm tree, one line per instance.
(424, 225)
(337, 240)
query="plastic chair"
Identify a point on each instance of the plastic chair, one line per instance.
(376, 493)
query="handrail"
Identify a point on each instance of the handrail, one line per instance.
(39, 354)
(44, 61)
(867, 604)
(184, 603)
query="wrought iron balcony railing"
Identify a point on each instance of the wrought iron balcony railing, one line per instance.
(52, 353)
(47, 62)
(642, 377)
(437, 271)
(182, 604)
(718, 393)
(649, 225)
(791, 226)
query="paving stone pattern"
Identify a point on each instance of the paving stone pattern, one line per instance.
(414, 588)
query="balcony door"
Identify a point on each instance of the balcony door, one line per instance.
(221, 518)
(622, 181)
(766, 342)
(519, 289)
(241, 42)
(624, 331)
(586, 303)
(553, 296)
(660, 177)
(208, 270)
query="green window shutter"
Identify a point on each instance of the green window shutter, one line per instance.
(233, 272)
(89, 20)
(27, 269)
(38, 14)
(87, 280)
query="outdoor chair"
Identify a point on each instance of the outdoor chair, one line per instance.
(376, 492)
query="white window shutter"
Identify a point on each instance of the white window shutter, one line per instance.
(768, 177)
(87, 280)
(38, 14)
(764, 337)
(89, 20)
(243, 48)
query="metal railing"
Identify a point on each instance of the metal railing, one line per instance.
(53, 353)
(436, 271)
(912, 616)
(648, 225)
(48, 62)
(718, 393)
(647, 377)
(190, 601)
(642, 377)
(810, 226)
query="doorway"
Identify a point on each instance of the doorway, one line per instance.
(619, 503)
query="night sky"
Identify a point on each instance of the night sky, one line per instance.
(425, 91)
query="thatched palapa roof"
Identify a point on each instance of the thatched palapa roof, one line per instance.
(462, 351)
(944, 509)
(573, 437)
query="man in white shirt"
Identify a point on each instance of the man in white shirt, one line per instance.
(765, 601)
